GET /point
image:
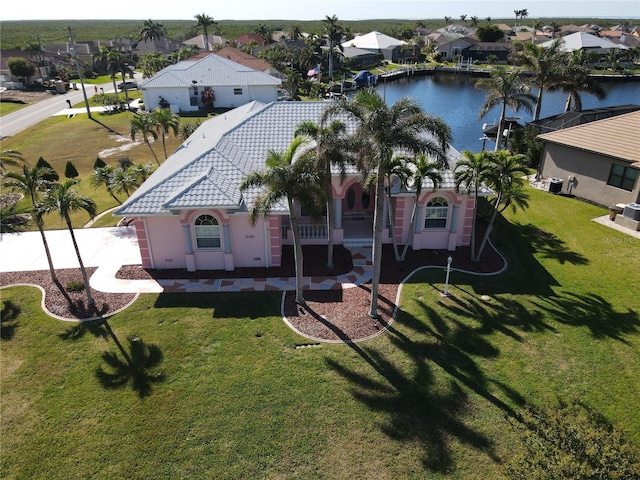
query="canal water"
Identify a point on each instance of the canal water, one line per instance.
(455, 99)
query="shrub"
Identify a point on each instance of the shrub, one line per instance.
(70, 170)
(74, 286)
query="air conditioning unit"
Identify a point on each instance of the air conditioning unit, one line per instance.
(632, 211)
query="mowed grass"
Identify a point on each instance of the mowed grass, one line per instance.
(235, 397)
(80, 140)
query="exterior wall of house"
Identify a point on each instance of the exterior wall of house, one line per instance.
(225, 96)
(456, 231)
(590, 174)
(165, 241)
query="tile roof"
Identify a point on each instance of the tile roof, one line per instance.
(208, 70)
(207, 169)
(617, 137)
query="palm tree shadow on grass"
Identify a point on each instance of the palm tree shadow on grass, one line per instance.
(417, 407)
(135, 366)
(80, 329)
(550, 246)
(8, 319)
(594, 312)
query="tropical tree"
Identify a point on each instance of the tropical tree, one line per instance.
(504, 176)
(21, 68)
(447, 20)
(187, 128)
(331, 149)
(10, 158)
(100, 59)
(381, 129)
(471, 172)
(474, 21)
(123, 180)
(142, 171)
(396, 174)
(63, 199)
(545, 64)
(152, 30)
(165, 121)
(332, 31)
(102, 176)
(423, 171)
(288, 175)
(144, 124)
(31, 183)
(117, 63)
(575, 79)
(295, 32)
(204, 21)
(505, 89)
(152, 63)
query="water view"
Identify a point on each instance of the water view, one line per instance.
(454, 98)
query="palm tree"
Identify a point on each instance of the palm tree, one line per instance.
(187, 128)
(123, 180)
(447, 20)
(472, 173)
(142, 171)
(331, 149)
(394, 167)
(165, 121)
(152, 30)
(505, 89)
(333, 33)
(64, 200)
(145, 125)
(11, 158)
(575, 79)
(504, 176)
(381, 129)
(289, 175)
(117, 64)
(295, 32)
(523, 14)
(545, 63)
(31, 183)
(102, 176)
(100, 59)
(475, 21)
(423, 170)
(517, 12)
(204, 22)
(463, 19)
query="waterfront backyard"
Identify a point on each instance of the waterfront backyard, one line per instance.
(217, 386)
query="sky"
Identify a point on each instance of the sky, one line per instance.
(315, 9)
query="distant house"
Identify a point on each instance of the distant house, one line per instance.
(191, 213)
(359, 58)
(482, 50)
(451, 44)
(598, 161)
(247, 38)
(199, 41)
(247, 60)
(205, 82)
(391, 48)
(586, 41)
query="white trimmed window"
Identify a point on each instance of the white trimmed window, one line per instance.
(207, 232)
(436, 213)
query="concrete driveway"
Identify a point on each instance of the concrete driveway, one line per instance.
(108, 247)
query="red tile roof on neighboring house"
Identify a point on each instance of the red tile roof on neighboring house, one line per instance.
(243, 58)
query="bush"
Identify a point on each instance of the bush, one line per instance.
(74, 286)
(70, 170)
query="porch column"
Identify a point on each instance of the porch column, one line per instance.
(337, 206)
(228, 255)
(188, 248)
(418, 225)
(453, 237)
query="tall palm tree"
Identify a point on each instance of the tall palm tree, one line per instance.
(10, 158)
(142, 171)
(575, 79)
(288, 175)
(117, 63)
(123, 180)
(504, 176)
(333, 33)
(394, 166)
(204, 21)
(31, 183)
(144, 124)
(472, 172)
(63, 199)
(152, 30)
(381, 129)
(423, 170)
(165, 121)
(102, 176)
(517, 12)
(505, 89)
(545, 64)
(100, 59)
(331, 149)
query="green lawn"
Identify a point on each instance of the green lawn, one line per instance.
(234, 396)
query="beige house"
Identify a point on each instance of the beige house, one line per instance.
(598, 161)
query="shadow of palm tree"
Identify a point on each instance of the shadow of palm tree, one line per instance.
(550, 246)
(136, 368)
(8, 319)
(80, 329)
(594, 312)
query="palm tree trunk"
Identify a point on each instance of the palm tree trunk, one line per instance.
(412, 225)
(85, 279)
(489, 227)
(500, 126)
(392, 228)
(146, 140)
(473, 224)
(377, 245)
(114, 196)
(536, 115)
(54, 278)
(297, 253)
(126, 90)
(164, 146)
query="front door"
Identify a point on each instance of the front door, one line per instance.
(358, 201)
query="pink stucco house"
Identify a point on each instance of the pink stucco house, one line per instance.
(190, 214)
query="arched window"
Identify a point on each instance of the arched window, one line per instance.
(207, 232)
(436, 213)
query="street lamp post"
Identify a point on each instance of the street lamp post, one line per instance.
(446, 282)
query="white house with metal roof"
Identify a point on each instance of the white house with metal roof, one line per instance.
(586, 41)
(202, 83)
(190, 214)
(375, 42)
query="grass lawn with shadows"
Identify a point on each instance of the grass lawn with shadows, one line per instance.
(216, 386)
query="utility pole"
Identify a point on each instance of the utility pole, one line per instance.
(75, 57)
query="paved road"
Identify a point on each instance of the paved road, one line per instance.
(26, 117)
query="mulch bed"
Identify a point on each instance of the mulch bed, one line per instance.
(331, 315)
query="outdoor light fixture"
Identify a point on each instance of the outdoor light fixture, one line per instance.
(446, 282)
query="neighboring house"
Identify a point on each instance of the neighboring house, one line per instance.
(598, 161)
(205, 82)
(359, 58)
(248, 60)
(376, 42)
(191, 213)
(162, 45)
(451, 44)
(482, 50)
(585, 41)
(199, 41)
(247, 38)
(573, 118)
